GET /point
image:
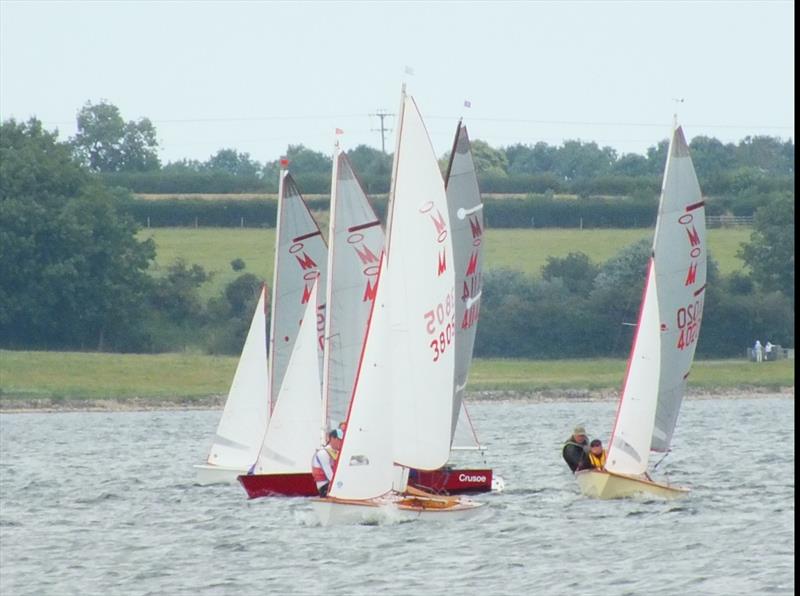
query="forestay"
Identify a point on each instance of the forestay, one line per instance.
(466, 219)
(293, 432)
(300, 258)
(355, 244)
(246, 412)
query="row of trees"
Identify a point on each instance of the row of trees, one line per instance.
(73, 275)
(126, 154)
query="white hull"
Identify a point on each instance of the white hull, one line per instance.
(210, 474)
(386, 510)
(601, 484)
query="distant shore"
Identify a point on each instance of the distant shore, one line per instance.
(11, 405)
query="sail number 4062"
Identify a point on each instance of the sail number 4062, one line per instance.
(440, 324)
(689, 323)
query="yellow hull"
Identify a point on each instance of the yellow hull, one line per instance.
(602, 484)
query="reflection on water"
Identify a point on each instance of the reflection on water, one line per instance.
(104, 503)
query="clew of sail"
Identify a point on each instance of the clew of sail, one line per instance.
(466, 220)
(356, 242)
(680, 267)
(300, 259)
(293, 432)
(246, 412)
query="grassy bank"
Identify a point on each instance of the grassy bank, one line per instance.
(60, 376)
(523, 249)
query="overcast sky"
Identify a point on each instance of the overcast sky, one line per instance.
(258, 76)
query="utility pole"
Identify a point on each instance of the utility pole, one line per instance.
(383, 130)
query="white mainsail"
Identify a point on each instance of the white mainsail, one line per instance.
(246, 412)
(419, 265)
(300, 259)
(355, 244)
(669, 324)
(293, 432)
(466, 220)
(401, 409)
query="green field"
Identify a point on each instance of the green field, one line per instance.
(65, 375)
(526, 250)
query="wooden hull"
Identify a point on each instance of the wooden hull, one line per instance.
(210, 474)
(393, 508)
(601, 484)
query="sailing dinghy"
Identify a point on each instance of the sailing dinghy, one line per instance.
(401, 410)
(300, 258)
(665, 339)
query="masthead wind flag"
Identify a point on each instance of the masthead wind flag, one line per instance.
(339, 131)
(467, 103)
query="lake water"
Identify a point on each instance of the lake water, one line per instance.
(104, 503)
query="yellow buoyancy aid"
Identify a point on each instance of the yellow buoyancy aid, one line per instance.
(597, 461)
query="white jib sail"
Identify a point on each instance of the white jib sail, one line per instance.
(466, 219)
(465, 437)
(355, 244)
(246, 412)
(629, 448)
(420, 275)
(300, 258)
(293, 432)
(680, 268)
(365, 468)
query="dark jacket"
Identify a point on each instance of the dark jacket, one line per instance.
(576, 454)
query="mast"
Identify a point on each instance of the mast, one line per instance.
(326, 355)
(276, 264)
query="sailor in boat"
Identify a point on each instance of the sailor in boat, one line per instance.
(576, 448)
(324, 459)
(595, 458)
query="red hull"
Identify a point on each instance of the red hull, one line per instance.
(278, 485)
(303, 485)
(452, 481)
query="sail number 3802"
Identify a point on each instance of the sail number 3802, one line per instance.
(440, 324)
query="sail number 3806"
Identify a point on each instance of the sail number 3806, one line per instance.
(440, 324)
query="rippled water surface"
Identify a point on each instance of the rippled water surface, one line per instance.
(96, 503)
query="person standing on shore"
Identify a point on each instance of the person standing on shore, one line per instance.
(759, 352)
(768, 350)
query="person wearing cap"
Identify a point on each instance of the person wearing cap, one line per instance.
(596, 458)
(575, 448)
(323, 461)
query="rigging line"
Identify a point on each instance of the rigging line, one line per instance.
(599, 123)
(662, 459)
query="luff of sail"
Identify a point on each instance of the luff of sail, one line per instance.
(300, 258)
(355, 244)
(293, 431)
(466, 220)
(420, 286)
(246, 412)
(680, 267)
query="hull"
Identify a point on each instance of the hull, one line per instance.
(278, 485)
(210, 474)
(601, 484)
(392, 508)
(442, 481)
(451, 481)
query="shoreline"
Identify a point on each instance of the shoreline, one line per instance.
(21, 405)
